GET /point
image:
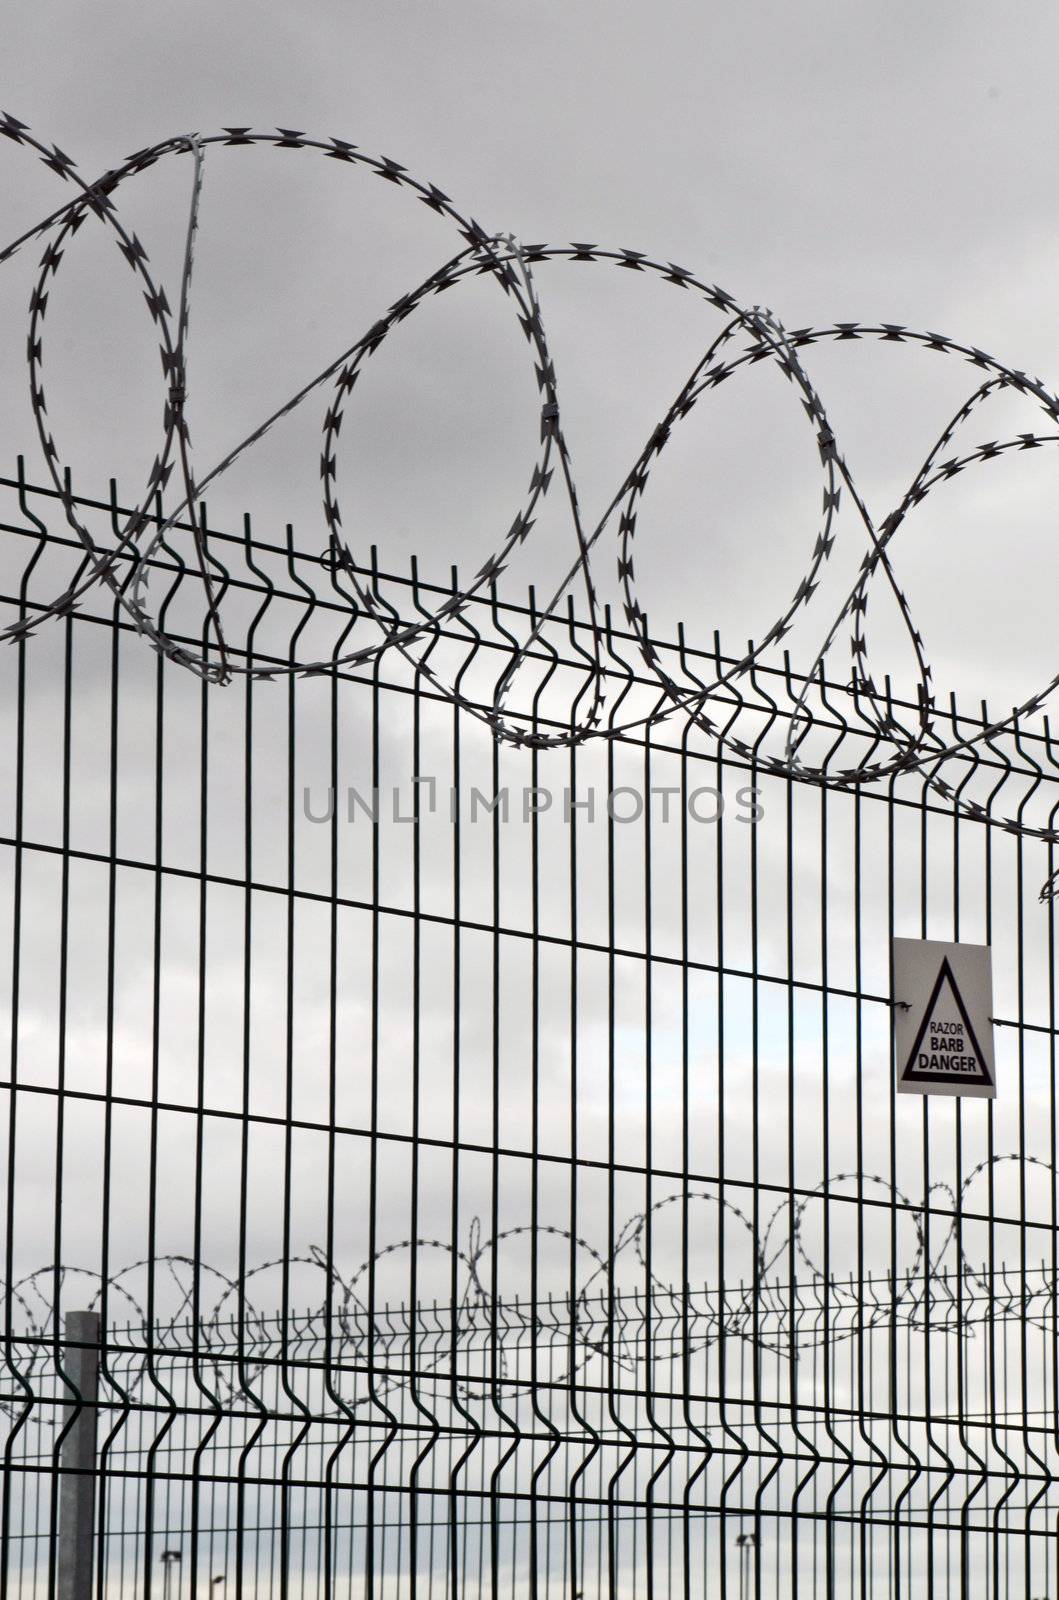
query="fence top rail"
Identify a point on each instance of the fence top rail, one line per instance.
(847, 722)
(944, 1297)
(323, 594)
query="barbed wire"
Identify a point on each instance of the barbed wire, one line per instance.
(749, 335)
(767, 1309)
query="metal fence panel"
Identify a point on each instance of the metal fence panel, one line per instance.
(484, 1161)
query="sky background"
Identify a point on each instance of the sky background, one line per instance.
(834, 162)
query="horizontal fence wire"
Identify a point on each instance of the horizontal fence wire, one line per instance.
(484, 1163)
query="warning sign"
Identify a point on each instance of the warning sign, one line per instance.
(943, 1018)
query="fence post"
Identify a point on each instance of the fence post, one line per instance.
(77, 1484)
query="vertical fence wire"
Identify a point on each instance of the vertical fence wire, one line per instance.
(485, 1162)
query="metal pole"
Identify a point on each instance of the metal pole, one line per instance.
(77, 1484)
(170, 1558)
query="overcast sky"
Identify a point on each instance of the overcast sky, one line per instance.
(831, 161)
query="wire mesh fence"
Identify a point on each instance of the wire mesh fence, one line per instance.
(493, 1448)
(483, 1162)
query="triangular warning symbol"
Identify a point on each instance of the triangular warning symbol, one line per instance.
(946, 1049)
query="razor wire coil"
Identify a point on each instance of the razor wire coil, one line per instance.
(750, 335)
